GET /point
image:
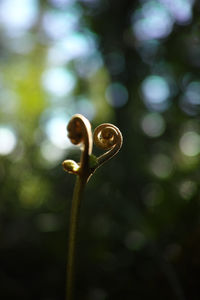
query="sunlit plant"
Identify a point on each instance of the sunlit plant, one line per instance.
(107, 137)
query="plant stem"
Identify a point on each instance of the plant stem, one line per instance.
(74, 216)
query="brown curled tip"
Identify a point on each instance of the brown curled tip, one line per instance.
(108, 137)
(75, 132)
(79, 131)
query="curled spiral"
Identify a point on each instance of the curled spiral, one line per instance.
(79, 131)
(107, 137)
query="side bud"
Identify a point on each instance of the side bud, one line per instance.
(71, 166)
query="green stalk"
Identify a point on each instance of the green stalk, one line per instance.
(73, 227)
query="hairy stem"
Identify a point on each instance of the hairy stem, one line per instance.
(74, 217)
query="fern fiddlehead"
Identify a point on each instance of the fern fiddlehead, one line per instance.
(107, 137)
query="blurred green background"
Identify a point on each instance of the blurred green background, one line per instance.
(135, 64)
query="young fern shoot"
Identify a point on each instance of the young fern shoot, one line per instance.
(107, 137)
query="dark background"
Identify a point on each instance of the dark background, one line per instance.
(134, 64)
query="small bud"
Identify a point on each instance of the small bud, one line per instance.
(71, 166)
(93, 161)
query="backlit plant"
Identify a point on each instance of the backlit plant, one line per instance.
(107, 137)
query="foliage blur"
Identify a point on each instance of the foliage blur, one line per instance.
(134, 64)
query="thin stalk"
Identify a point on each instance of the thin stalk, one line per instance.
(107, 137)
(74, 217)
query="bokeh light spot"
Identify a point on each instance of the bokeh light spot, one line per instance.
(78, 44)
(58, 81)
(155, 91)
(116, 94)
(51, 153)
(193, 93)
(18, 15)
(85, 107)
(180, 9)
(161, 166)
(8, 140)
(187, 189)
(153, 124)
(62, 3)
(56, 132)
(190, 143)
(33, 192)
(190, 101)
(88, 66)
(58, 24)
(154, 22)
